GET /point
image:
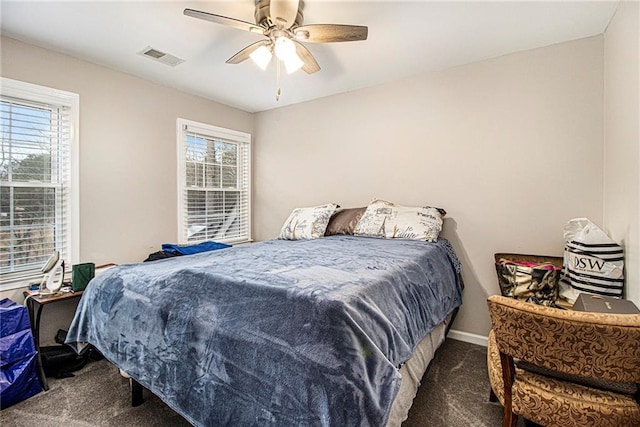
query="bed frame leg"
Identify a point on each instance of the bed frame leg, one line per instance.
(136, 393)
(454, 313)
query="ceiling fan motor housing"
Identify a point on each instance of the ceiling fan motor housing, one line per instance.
(262, 13)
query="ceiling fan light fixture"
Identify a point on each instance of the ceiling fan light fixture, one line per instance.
(293, 64)
(261, 57)
(284, 48)
(286, 52)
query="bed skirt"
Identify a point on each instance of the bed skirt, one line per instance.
(413, 371)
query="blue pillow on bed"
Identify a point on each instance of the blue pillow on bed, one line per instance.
(193, 249)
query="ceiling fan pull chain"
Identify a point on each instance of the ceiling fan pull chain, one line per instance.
(277, 80)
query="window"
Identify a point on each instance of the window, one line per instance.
(213, 184)
(38, 175)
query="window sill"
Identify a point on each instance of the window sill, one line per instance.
(26, 282)
(23, 284)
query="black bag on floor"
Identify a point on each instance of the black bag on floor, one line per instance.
(59, 361)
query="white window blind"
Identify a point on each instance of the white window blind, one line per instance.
(36, 197)
(214, 176)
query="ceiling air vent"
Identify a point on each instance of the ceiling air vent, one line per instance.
(156, 55)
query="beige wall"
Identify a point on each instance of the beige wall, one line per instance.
(510, 147)
(128, 193)
(622, 138)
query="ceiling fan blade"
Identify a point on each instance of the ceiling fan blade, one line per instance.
(218, 19)
(244, 54)
(283, 12)
(328, 33)
(310, 64)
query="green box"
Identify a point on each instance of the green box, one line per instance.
(81, 274)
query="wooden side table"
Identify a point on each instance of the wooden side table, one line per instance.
(35, 303)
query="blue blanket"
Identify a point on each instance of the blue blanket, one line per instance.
(277, 333)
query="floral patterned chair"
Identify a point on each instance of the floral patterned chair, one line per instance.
(564, 368)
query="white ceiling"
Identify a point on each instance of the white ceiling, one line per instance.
(405, 39)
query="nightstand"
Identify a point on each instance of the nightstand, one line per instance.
(34, 318)
(35, 303)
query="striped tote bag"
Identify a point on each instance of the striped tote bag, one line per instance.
(595, 268)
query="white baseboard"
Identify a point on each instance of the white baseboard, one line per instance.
(467, 337)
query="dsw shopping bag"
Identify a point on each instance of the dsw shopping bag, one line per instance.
(530, 281)
(593, 263)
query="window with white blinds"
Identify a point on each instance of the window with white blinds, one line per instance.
(214, 176)
(38, 198)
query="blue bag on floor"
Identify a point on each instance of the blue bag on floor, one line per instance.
(18, 377)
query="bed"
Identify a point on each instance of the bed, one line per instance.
(330, 331)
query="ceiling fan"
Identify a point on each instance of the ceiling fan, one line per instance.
(281, 22)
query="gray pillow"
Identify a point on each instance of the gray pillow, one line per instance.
(344, 221)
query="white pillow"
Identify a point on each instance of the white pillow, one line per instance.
(307, 223)
(387, 220)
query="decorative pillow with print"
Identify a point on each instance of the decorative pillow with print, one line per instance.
(307, 223)
(387, 220)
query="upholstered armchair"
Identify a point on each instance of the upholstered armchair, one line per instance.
(564, 368)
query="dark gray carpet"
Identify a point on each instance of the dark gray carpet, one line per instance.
(454, 393)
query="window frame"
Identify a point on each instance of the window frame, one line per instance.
(29, 92)
(183, 126)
